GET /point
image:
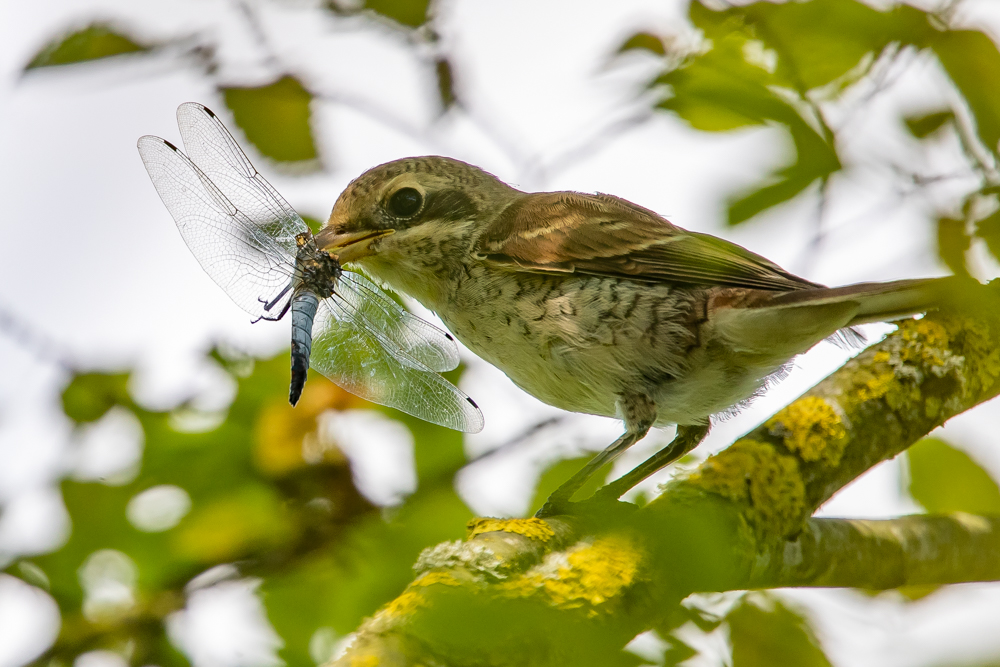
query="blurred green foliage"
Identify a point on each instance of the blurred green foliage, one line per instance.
(944, 479)
(276, 119)
(268, 491)
(96, 41)
(775, 63)
(764, 632)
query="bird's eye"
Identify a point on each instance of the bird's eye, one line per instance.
(405, 202)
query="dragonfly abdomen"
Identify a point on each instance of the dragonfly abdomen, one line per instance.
(304, 304)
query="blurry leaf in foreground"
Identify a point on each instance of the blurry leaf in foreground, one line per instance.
(275, 119)
(764, 632)
(412, 13)
(953, 242)
(91, 43)
(925, 125)
(944, 479)
(644, 41)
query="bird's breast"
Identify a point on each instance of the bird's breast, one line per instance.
(575, 342)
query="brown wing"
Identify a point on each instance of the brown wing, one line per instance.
(609, 236)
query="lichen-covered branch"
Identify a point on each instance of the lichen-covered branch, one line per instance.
(574, 589)
(879, 555)
(870, 410)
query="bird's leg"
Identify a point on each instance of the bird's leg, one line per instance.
(686, 439)
(639, 413)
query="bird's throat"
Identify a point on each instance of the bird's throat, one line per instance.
(424, 262)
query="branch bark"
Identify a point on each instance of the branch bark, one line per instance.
(574, 589)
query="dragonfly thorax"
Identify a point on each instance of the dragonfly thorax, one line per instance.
(315, 269)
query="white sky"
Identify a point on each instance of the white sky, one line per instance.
(92, 262)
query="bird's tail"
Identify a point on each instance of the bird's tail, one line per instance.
(877, 302)
(779, 326)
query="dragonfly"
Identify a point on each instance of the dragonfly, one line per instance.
(254, 245)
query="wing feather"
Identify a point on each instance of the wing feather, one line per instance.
(609, 236)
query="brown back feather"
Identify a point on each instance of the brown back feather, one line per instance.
(608, 236)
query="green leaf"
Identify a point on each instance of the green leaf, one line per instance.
(927, 124)
(722, 90)
(944, 479)
(764, 632)
(412, 13)
(275, 119)
(646, 41)
(92, 43)
(972, 61)
(815, 42)
(953, 243)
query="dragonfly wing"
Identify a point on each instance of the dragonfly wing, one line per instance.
(239, 256)
(210, 146)
(360, 360)
(364, 302)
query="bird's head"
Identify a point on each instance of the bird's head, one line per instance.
(401, 210)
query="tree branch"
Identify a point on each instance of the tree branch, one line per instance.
(880, 555)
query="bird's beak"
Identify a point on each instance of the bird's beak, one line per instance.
(350, 246)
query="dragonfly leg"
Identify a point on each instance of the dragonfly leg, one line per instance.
(268, 305)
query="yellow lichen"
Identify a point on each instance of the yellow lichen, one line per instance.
(412, 599)
(881, 357)
(431, 578)
(811, 428)
(978, 343)
(875, 386)
(367, 660)
(755, 472)
(535, 529)
(405, 604)
(585, 577)
(925, 342)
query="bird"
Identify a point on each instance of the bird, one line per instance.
(594, 304)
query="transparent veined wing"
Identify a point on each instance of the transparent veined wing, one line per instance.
(210, 146)
(369, 307)
(361, 360)
(239, 254)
